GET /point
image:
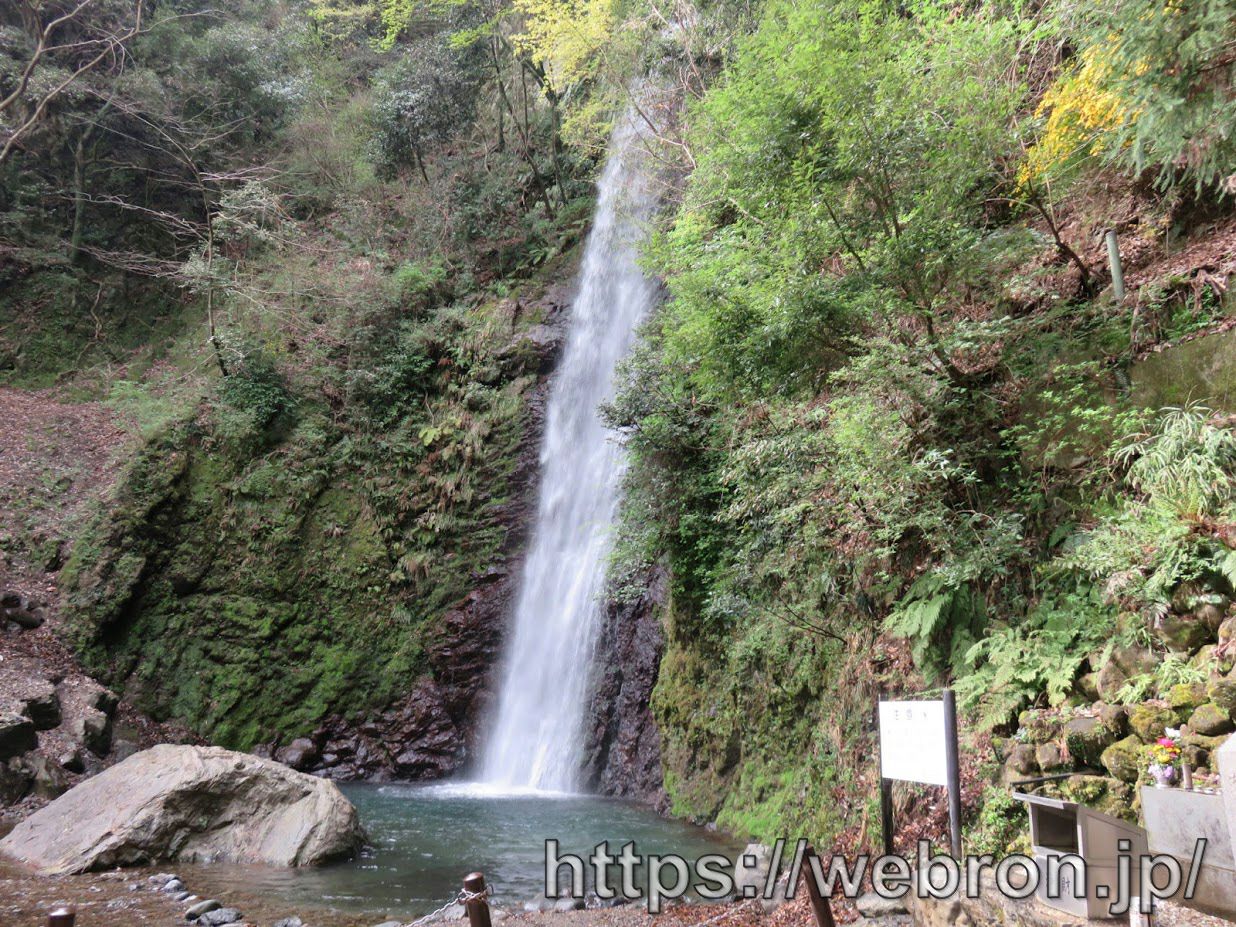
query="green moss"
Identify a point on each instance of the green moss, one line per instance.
(1149, 722)
(1125, 759)
(250, 583)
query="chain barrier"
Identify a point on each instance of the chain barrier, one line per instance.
(461, 898)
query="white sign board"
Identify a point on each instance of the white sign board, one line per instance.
(913, 742)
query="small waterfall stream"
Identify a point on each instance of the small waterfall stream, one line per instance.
(536, 739)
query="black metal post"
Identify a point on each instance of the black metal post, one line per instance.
(954, 772)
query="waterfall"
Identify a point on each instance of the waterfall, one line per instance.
(536, 738)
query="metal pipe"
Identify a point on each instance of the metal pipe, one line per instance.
(1113, 258)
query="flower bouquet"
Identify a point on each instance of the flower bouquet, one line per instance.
(1164, 759)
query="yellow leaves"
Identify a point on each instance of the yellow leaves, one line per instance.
(340, 21)
(1081, 110)
(563, 36)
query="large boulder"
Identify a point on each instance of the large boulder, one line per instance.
(193, 804)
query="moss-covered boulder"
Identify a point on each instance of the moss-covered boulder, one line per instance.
(1227, 630)
(1209, 659)
(1110, 680)
(1114, 716)
(1039, 726)
(1185, 698)
(1222, 692)
(1122, 665)
(1149, 721)
(1102, 793)
(1197, 749)
(1088, 686)
(1210, 720)
(1050, 758)
(1022, 760)
(1087, 738)
(1183, 633)
(1125, 759)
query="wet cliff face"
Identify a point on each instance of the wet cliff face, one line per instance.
(623, 744)
(336, 594)
(435, 729)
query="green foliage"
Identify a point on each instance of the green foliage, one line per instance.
(1170, 65)
(1176, 669)
(1181, 479)
(420, 100)
(838, 183)
(1014, 665)
(1002, 826)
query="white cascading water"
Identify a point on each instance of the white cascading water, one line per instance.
(536, 738)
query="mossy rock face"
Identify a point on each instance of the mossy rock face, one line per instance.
(1204, 366)
(1136, 661)
(1196, 749)
(1184, 633)
(1022, 760)
(1125, 759)
(1088, 686)
(1087, 738)
(1102, 793)
(1227, 630)
(1110, 680)
(1186, 697)
(1050, 758)
(1150, 722)
(1208, 660)
(1222, 692)
(1039, 727)
(1114, 716)
(1210, 720)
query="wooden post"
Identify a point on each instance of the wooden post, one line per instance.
(954, 772)
(1113, 258)
(820, 906)
(477, 908)
(61, 917)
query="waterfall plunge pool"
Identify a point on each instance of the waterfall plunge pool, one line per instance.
(426, 838)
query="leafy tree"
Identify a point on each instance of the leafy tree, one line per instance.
(1154, 86)
(421, 100)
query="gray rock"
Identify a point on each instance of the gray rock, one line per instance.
(218, 917)
(71, 760)
(182, 897)
(569, 904)
(751, 874)
(123, 749)
(17, 735)
(41, 704)
(50, 780)
(93, 729)
(25, 618)
(873, 905)
(194, 804)
(172, 886)
(203, 907)
(290, 922)
(389, 924)
(299, 754)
